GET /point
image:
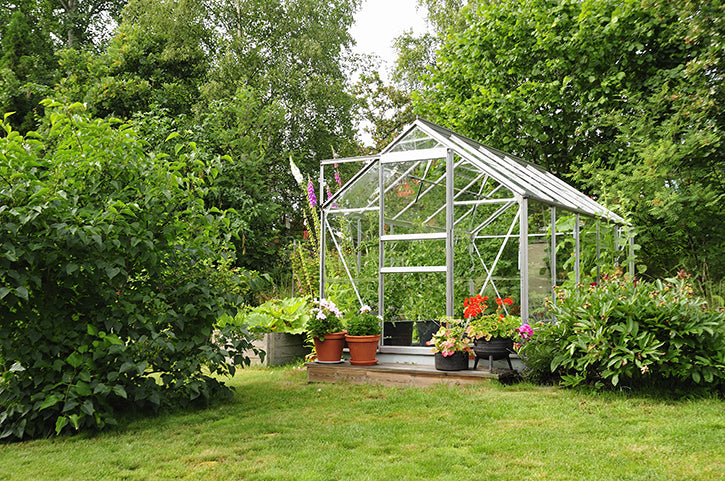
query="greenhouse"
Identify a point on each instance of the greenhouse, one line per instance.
(437, 217)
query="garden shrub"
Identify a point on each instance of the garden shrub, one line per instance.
(112, 277)
(631, 332)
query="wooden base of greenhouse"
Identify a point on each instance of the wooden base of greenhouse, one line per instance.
(402, 374)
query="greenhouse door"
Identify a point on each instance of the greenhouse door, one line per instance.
(415, 246)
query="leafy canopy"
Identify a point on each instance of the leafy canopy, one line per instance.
(112, 277)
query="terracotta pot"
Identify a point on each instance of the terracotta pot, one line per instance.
(458, 361)
(330, 350)
(363, 349)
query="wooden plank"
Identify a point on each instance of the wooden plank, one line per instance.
(396, 374)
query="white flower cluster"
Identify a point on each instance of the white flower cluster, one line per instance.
(326, 308)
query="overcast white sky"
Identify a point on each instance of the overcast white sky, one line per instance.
(380, 21)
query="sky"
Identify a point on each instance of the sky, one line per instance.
(378, 23)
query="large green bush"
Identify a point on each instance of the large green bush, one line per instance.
(629, 332)
(112, 277)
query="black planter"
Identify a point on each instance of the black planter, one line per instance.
(496, 348)
(458, 361)
(399, 333)
(425, 330)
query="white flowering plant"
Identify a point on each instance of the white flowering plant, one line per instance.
(325, 318)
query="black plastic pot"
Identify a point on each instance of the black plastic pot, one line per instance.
(458, 361)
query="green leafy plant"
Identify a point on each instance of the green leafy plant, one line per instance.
(482, 325)
(288, 315)
(364, 323)
(451, 338)
(630, 331)
(113, 273)
(325, 318)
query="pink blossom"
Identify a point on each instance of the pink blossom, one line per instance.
(311, 194)
(525, 331)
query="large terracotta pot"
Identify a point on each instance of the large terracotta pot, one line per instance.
(330, 350)
(363, 349)
(458, 361)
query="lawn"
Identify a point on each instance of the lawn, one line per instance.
(278, 427)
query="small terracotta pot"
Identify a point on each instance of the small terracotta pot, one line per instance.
(363, 349)
(330, 350)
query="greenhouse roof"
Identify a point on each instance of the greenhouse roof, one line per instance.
(519, 176)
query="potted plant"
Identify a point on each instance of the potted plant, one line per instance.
(493, 333)
(326, 329)
(451, 345)
(363, 336)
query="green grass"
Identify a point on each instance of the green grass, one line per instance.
(278, 427)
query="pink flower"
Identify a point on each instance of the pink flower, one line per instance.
(526, 331)
(311, 194)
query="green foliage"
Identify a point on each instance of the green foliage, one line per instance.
(620, 97)
(252, 179)
(289, 315)
(113, 276)
(386, 108)
(26, 70)
(290, 53)
(151, 63)
(363, 323)
(452, 337)
(72, 24)
(252, 82)
(633, 333)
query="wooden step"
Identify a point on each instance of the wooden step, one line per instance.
(400, 374)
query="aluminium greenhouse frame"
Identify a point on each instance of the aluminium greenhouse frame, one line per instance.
(474, 184)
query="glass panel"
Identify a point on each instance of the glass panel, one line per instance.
(564, 246)
(363, 192)
(487, 259)
(415, 253)
(415, 198)
(416, 139)
(413, 304)
(352, 238)
(539, 267)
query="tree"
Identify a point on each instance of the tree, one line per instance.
(417, 54)
(112, 277)
(79, 23)
(291, 53)
(277, 90)
(385, 108)
(586, 88)
(156, 60)
(26, 70)
(258, 81)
